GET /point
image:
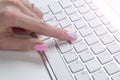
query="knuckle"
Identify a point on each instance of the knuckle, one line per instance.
(42, 27)
(11, 1)
(39, 12)
(42, 15)
(8, 12)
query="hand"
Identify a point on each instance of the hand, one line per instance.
(20, 17)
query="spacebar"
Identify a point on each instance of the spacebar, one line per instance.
(59, 68)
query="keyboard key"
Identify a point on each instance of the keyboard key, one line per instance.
(88, 1)
(45, 9)
(80, 46)
(104, 57)
(117, 36)
(113, 48)
(60, 16)
(101, 30)
(72, 0)
(55, 7)
(112, 68)
(105, 21)
(80, 24)
(65, 3)
(93, 66)
(98, 13)
(83, 9)
(71, 28)
(65, 23)
(70, 10)
(48, 17)
(58, 41)
(78, 39)
(97, 48)
(78, 3)
(111, 28)
(52, 22)
(65, 47)
(88, 16)
(93, 6)
(91, 39)
(86, 56)
(70, 57)
(85, 31)
(116, 77)
(76, 66)
(100, 75)
(107, 38)
(117, 57)
(94, 23)
(82, 76)
(75, 17)
(41, 37)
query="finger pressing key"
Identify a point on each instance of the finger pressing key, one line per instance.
(37, 26)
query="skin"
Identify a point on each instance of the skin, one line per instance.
(17, 17)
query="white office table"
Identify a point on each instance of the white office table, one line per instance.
(16, 65)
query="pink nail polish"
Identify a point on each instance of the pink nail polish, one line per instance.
(42, 47)
(72, 36)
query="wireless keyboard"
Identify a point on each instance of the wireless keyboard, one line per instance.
(95, 55)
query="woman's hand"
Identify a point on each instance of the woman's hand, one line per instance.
(19, 17)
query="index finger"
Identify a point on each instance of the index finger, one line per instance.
(37, 26)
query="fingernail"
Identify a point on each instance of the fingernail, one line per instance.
(42, 47)
(72, 36)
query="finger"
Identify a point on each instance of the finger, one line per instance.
(18, 5)
(33, 25)
(29, 12)
(34, 9)
(14, 43)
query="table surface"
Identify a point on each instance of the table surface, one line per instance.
(20, 65)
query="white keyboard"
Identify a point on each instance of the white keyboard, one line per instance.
(95, 55)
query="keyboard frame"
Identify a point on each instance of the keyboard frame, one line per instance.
(44, 58)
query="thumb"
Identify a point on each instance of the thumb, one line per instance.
(14, 43)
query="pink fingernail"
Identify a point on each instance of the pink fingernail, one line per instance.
(72, 36)
(42, 47)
